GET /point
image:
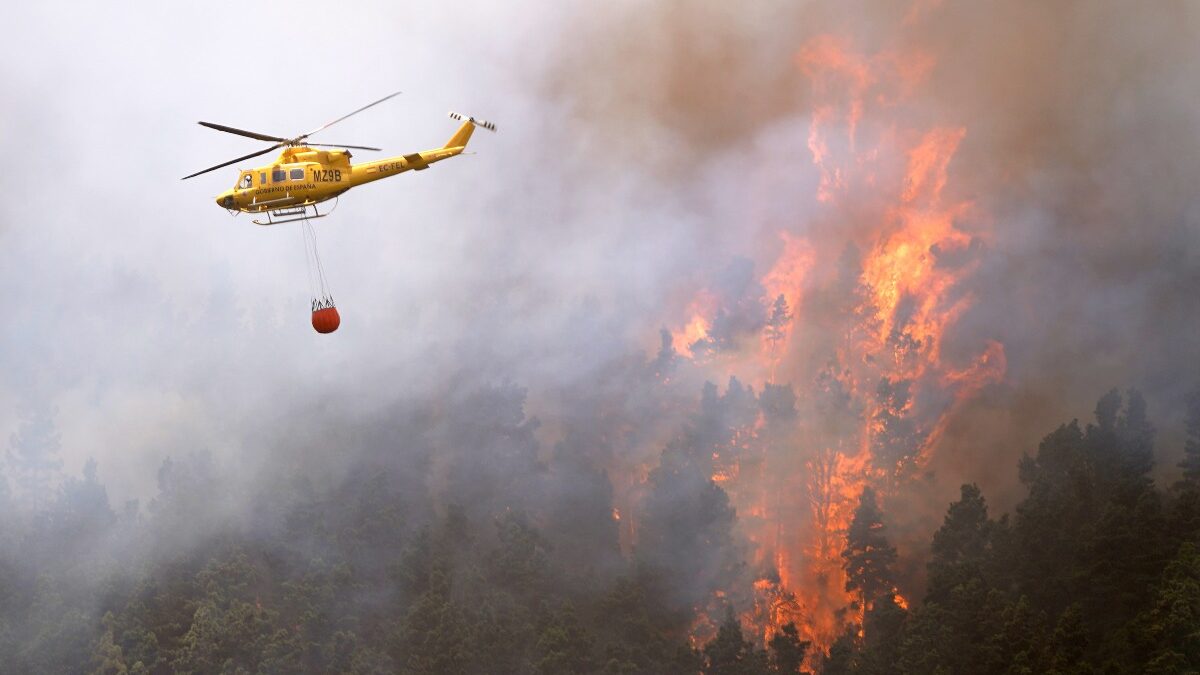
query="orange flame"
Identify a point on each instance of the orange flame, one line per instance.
(864, 398)
(697, 327)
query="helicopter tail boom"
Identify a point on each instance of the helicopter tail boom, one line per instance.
(367, 172)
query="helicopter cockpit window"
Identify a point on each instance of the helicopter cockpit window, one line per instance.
(278, 175)
(297, 174)
(245, 181)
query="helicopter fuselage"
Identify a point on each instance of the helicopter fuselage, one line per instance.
(302, 176)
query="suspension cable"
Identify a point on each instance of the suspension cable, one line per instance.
(322, 295)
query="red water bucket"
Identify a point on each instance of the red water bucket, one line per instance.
(326, 320)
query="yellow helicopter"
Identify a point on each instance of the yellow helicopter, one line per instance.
(303, 177)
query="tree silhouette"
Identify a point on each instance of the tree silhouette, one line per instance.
(787, 650)
(33, 455)
(868, 556)
(777, 321)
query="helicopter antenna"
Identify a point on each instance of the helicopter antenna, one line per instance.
(285, 142)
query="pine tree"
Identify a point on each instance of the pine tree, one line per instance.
(961, 546)
(1185, 510)
(844, 655)
(687, 522)
(639, 627)
(229, 626)
(777, 321)
(952, 629)
(1126, 549)
(687, 533)
(1166, 637)
(33, 455)
(1092, 532)
(729, 653)
(1051, 520)
(107, 657)
(787, 650)
(1021, 643)
(579, 496)
(1068, 649)
(665, 362)
(519, 563)
(868, 555)
(433, 636)
(1191, 447)
(883, 625)
(1137, 439)
(896, 442)
(564, 646)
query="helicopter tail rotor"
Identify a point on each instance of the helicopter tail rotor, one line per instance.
(479, 123)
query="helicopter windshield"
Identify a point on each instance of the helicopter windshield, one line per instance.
(245, 182)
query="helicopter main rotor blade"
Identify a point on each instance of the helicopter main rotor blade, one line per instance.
(242, 132)
(235, 161)
(329, 124)
(335, 145)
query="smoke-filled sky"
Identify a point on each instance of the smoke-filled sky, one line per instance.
(641, 149)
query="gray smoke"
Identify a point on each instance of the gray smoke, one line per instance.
(1081, 148)
(643, 152)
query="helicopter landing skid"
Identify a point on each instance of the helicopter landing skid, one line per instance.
(292, 214)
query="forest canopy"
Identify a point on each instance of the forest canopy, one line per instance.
(1097, 569)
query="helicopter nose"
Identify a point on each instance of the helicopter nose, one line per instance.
(225, 200)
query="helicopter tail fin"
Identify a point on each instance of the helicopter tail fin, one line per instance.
(460, 137)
